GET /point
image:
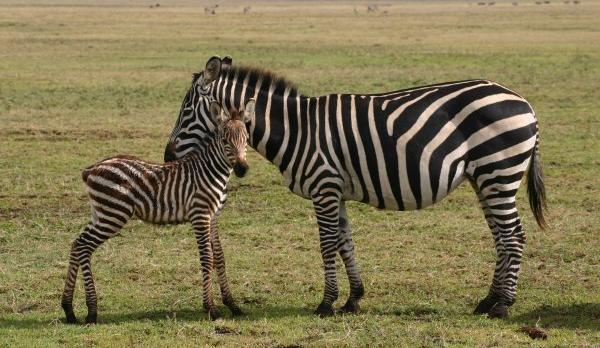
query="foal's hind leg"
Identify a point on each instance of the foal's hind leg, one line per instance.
(67, 296)
(219, 264)
(103, 226)
(498, 204)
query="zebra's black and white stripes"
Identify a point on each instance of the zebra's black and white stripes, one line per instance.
(191, 189)
(401, 150)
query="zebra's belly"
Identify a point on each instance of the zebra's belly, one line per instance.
(399, 194)
(161, 214)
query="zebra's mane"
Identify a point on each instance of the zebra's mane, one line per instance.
(269, 78)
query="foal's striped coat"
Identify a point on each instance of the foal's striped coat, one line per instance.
(191, 189)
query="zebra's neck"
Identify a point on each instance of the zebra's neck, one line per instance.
(281, 116)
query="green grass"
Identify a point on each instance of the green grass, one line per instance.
(82, 83)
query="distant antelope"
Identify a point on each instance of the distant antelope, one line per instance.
(211, 10)
(192, 189)
(372, 8)
(247, 9)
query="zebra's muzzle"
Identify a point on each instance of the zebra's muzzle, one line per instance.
(170, 152)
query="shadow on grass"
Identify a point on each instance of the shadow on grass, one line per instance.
(584, 316)
(572, 316)
(183, 315)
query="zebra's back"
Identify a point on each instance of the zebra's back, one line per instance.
(408, 149)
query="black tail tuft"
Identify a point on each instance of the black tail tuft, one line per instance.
(536, 189)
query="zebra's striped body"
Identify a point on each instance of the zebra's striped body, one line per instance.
(401, 150)
(192, 189)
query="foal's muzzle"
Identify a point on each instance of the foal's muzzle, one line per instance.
(240, 169)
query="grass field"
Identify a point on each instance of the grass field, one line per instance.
(80, 83)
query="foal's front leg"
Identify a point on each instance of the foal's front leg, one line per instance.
(201, 224)
(219, 264)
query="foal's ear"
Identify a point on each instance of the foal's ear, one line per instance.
(249, 110)
(212, 70)
(217, 112)
(226, 62)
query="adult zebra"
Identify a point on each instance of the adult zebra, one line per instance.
(400, 150)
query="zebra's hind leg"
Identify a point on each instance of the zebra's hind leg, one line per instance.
(327, 205)
(219, 264)
(498, 203)
(346, 251)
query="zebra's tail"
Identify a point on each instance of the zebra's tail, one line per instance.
(535, 187)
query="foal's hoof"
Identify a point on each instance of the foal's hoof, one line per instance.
(351, 307)
(499, 311)
(324, 310)
(91, 319)
(485, 305)
(236, 311)
(71, 319)
(213, 314)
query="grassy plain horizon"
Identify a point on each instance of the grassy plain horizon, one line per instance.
(81, 83)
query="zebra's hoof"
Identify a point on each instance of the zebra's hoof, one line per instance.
(324, 310)
(499, 311)
(91, 319)
(485, 305)
(214, 314)
(351, 307)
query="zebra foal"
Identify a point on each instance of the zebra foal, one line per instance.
(192, 189)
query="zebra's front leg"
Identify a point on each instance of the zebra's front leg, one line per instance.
(219, 264)
(201, 224)
(346, 250)
(327, 211)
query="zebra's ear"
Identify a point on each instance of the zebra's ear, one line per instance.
(249, 110)
(226, 62)
(212, 70)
